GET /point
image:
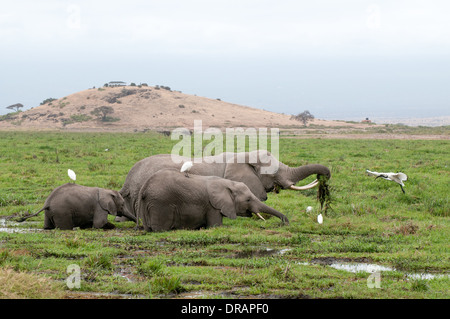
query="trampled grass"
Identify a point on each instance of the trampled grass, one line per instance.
(370, 222)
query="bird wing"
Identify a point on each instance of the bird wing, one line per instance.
(396, 177)
(373, 173)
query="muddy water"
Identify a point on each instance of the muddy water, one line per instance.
(260, 252)
(356, 267)
(7, 226)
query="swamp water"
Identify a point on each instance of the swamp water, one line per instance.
(7, 226)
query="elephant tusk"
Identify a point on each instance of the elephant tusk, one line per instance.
(301, 188)
(259, 215)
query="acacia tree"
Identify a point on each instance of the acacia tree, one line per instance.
(15, 106)
(102, 112)
(303, 117)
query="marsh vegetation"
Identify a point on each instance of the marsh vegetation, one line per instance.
(369, 222)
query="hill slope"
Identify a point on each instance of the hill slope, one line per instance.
(139, 108)
(147, 108)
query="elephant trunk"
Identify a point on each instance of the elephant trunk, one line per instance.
(296, 174)
(263, 208)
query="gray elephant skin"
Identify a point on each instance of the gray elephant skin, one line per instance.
(171, 200)
(234, 166)
(72, 205)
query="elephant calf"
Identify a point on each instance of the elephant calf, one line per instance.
(171, 200)
(72, 205)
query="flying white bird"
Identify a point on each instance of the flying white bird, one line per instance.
(320, 219)
(186, 167)
(399, 177)
(72, 174)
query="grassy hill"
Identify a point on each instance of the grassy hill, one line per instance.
(139, 108)
(134, 108)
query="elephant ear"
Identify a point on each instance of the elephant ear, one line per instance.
(247, 174)
(221, 197)
(106, 201)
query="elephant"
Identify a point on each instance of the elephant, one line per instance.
(250, 168)
(171, 200)
(71, 205)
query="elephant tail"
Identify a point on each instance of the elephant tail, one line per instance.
(24, 218)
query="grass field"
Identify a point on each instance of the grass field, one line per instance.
(371, 223)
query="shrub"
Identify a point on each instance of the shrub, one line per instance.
(50, 99)
(80, 118)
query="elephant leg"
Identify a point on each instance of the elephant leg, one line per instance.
(100, 218)
(48, 222)
(63, 222)
(162, 218)
(213, 218)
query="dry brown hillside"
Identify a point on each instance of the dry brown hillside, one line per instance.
(144, 108)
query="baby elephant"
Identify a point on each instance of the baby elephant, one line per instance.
(72, 205)
(171, 200)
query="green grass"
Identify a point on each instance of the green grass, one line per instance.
(369, 220)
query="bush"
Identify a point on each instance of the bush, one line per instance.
(80, 118)
(50, 99)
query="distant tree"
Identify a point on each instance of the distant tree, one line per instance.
(15, 106)
(303, 117)
(102, 112)
(49, 100)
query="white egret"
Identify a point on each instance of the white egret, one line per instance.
(186, 167)
(395, 177)
(309, 209)
(72, 174)
(320, 219)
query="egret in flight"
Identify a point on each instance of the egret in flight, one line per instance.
(399, 177)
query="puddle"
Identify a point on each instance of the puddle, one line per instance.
(360, 267)
(372, 268)
(356, 267)
(264, 252)
(10, 227)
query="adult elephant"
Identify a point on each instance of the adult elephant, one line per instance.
(72, 205)
(170, 199)
(254, 169)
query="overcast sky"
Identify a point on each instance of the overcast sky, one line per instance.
(337, 59)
